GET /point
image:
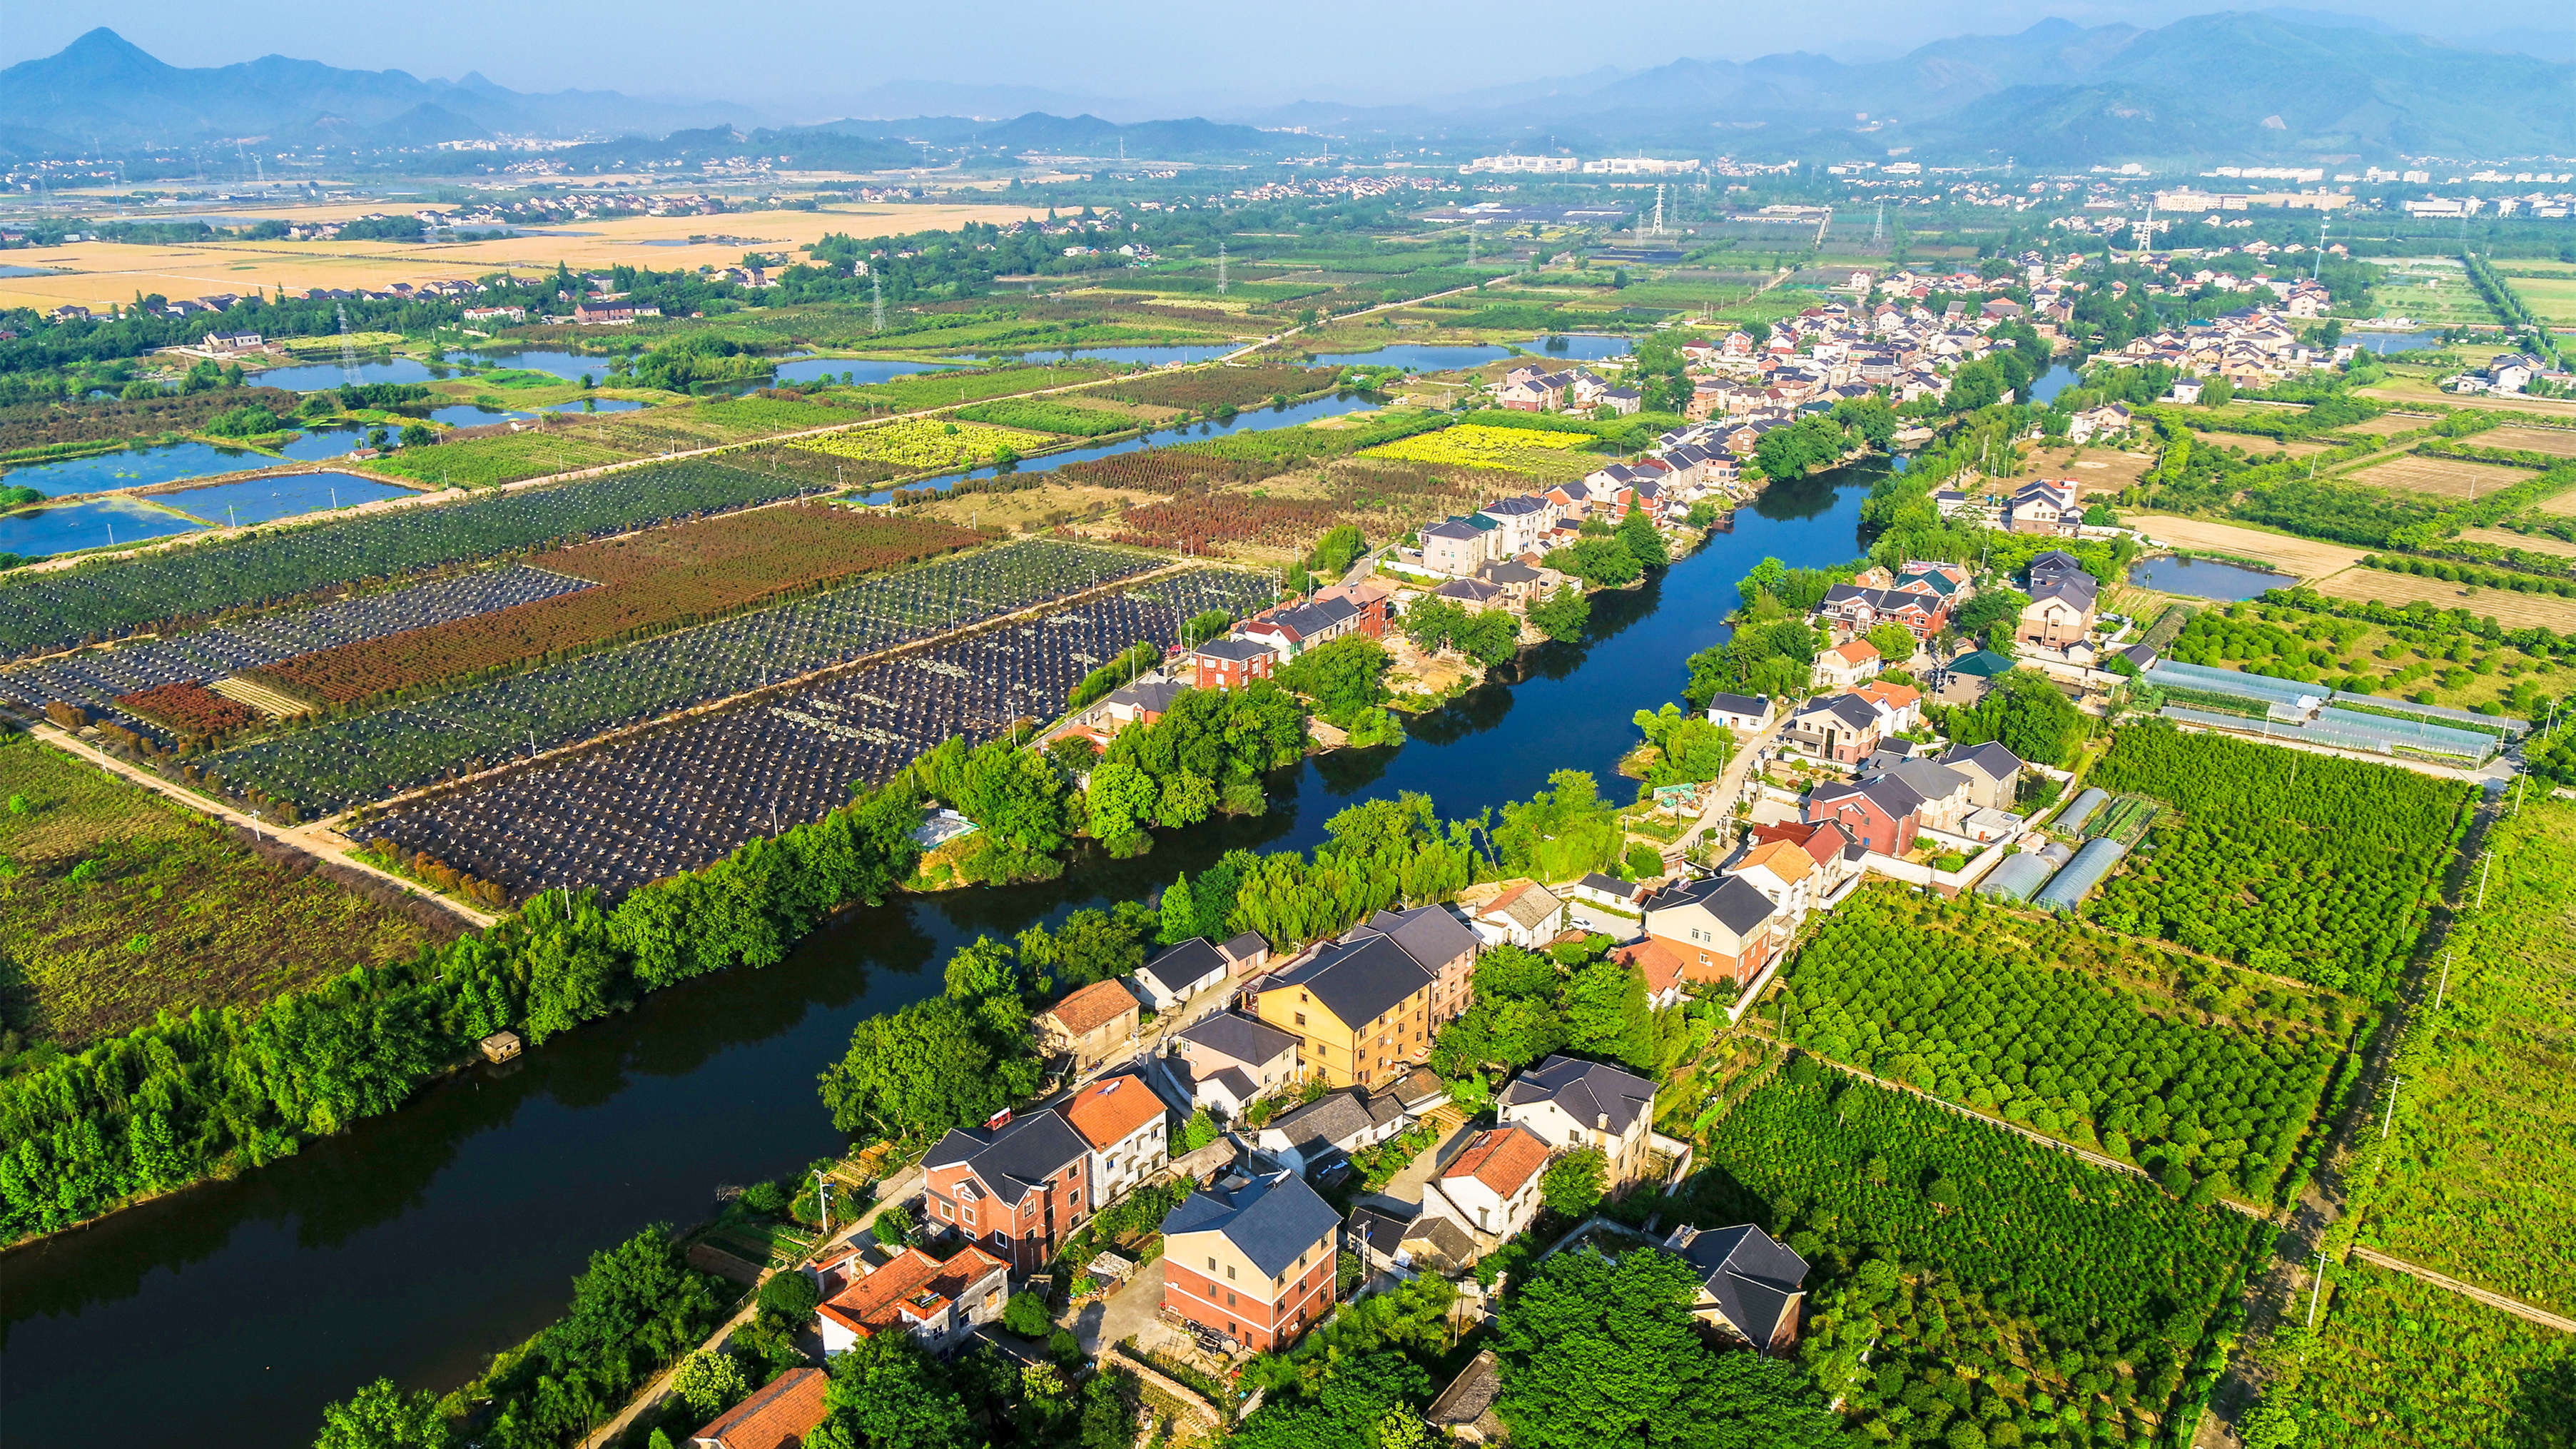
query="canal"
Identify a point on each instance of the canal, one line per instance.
(416, 1244)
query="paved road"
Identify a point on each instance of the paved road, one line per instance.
(1123, 1314)
(1719, 813)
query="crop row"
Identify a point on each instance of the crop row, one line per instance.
(347, 761)
(1397, 497)
(2301, 865)
(1976, 1013)
(190, 584)
(1474, 445)
(1047, 415)
(922, 445)
(1200, 389)
(647, 581)
(94, 679)
(679, 797)
(189, 708)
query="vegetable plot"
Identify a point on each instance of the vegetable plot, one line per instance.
(2297, 864)
(1474, 445)
(1986, 1011)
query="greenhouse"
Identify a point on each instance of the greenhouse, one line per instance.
(2081, 811)
(2285, 692)
(2016, 878)
(2068, 888)
(2343, 729)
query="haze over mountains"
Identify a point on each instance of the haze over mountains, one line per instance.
(2253, 86)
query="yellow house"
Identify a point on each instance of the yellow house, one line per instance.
(1360, 1010)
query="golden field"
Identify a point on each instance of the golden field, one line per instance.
(2306, 558)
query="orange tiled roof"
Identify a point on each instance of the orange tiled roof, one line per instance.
(1894, 696)
(1108, 1110)
(1093, 1007)
(1502, 1158)
(1785, 859)
(1857, 651)
(1657, 962)
(875, 1302)
(779, 1415)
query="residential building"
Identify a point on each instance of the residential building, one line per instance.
(1373, 598)
(1144, 702)
(1857, 610)
(1292, 629)
(1316, 1135)
(1016, 1188)
(1845, 665)
(1361, 1009)
(1751, 1286)
(1122, 1122)
(1180, 972)
(1719, 928)
(1491, 1188)
(1842, 728)
(2097, 422)
(1994, 774)
(938, 1301)
(1947, 794)
(2060, 612)
(1235, 1059)
(1520, 522)
(2047, 506)
(1387, 1242)
(1785, 875)
(1746, 714)
(1231, 663)
(618, 311)
(1255, 1262)
(1899, 706)
(1604, 890)
(1522, 913)
(778, 1415)
(1965, 680)
(1882, 814)
(1454, 547)
(1573, 1105)
(1438, 942)
(1091, 1025)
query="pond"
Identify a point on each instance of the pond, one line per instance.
(1251, 420)
(2058, 378)
(93, 523)
(415, 1244)
(1143, 354)
(858, 371)
(1416, 357)
(475, 415)
(135, 468)
(318, 376)
(2387, 342)
(259, 500)
(2202, 578)
(570, 366)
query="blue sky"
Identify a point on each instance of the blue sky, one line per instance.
(1169, 56)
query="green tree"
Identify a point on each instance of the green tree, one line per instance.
(1343, 677)
(1644, 540)
(1604, 563)
(886, 1393)
(892, 1226)
(1975, 385)
(1335, 552)
(1120, 799)
(1894, 643)
(2027, 714)
(1199, 1131)
(1691, 748)
(1026, 1315)
(1606, 1014)
(711, 1381)
(381, 1416)
(1991, 613)
(1573, 1183)
(923, 1069)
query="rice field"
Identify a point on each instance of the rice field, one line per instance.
(2557, 442)
(2439, 477)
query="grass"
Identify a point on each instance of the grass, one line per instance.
(2484, 1169)
(505, 458)
(2401, 1364)
(116, 905)
(2506, 607)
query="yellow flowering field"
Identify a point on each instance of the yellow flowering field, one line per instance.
(1474, 445)
(919, 445)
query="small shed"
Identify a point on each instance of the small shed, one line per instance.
(500, 1046)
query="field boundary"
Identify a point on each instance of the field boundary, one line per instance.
(2487, 1296)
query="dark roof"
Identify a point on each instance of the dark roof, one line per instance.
(1336, 1119)
(1607, 885)
(1240, 1037)
(1888, 794)
(1234, 649)
(1359, 980)
(1925, 778)
(2076, 591)
(1471, 589)
(1377, 1228)
(1310, 619)
(1428, 934)
(1192, 960)
(1750, 1274)
(1739, 703)
(1024, 1153)
(1514, 507)
(1155, 695)
(1982, 663)
(1250, 943)
(1508, 571)
(1588, 1091)
(1271, 1220)
(1996, 761)
(1886, 601)
(1449, 528)
(1732, 899)
(1850, 709)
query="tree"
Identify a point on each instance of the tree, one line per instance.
(1975, 385)
(1870, 419)
(1644, 540)
(1430, 622)
(892, 1226)
(1992, 612)
(1491, 636)
(381, 1416)
(1343, 677)
(1573, 1183)
(1026, 1315)
(1690, 747)
(1606, 1014)
(1120, 799)
(1894, 643)
(886, 1393)
(1604, 563)
(710, 1381)
(923, 1069)
(1199, 1131)
(2027, 714)
(791, 1296)
(1337, 550)
(1562, 615)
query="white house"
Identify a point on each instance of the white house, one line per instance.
(1193, 966)
(1521, 913)
(1492, 1187)
(1573, 1105)
(1122, 1122)
(1746, 714)
(937, 1302)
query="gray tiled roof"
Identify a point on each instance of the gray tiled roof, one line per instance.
(1358, 980)
(1428, 934)
(1732, 899)
(1991, 758)
(1176, 969)
(1271, 1220)
(1240, 1037)
(1588, 1091)
(1751, 1276)
(1015, 1159)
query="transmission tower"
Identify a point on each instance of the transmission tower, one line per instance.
(1220, 269)
(1659, 208)
(1471, 243)
(1878, 229)
(876, 297)
(348, 348)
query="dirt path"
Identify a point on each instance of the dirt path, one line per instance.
(2514, 1306)
(315, 839)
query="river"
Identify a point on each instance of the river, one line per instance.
(416, 1244)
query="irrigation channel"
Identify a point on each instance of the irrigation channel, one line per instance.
(417, 1243)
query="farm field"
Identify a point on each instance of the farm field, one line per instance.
(1284, 514)
(2099, 469)
(2072, 1278)
(2484, 1166)
(2558, 441)
(2509, 608)
(1048, 415)
(119, 905)
(2191, 1070)
(646, 581)
(2455, 668)
(2434, 291)
(2305, 557)
(350, 761)
(2402, 389)
(677, 798)
(1207, 388)
(2440, 477)
(59, 609)
(1023, 510)
(925, 445)
(2552, 299)
(97, 679)
(1475, 445)
(2527, 542)
(505, 458)
(2397, 1363)
(2314, 867)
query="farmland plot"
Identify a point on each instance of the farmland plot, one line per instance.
(2442, 477)
(348, 761)
(187, 585)
(677, 798)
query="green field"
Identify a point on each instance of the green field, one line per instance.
(2400, 1364)
(2484, 1170)
(116, 905)
(2433, 290)
(2553, 299)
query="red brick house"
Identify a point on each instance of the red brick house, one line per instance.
(1882, 814)
(1230, 663)
(1718, 928)
(1017, 1190)
(1255, 1262)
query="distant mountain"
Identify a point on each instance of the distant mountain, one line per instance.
(1088, 135)
(103, 90)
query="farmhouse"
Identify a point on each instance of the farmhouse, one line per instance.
(1719, 928)
(1750, 1285)
(1089, 1025)
(1742, 713)
(1361, 1009)
(1574, 1105)
(1231, 663)
(1882, 814)
(1439, 943)
(1845, 665)
(1522, 913)
(937, 1301)
(1994, 774)
(1183, 971)
(1121, 1120)
(1491, 1187)
(1842, 728)
(1016, 1189)
(1253, 1261)
(1235, 1059)
(780, 1414)
(2060, 612)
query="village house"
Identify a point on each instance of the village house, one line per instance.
(1016, 1189)
(1750, 1285)
(1718, 928)
(1746, 714)
(1518, 913)
(1573, 1105)
(1235, 1060)
(1473, 595)
(1122, 1122)
(1361, 1009)
(1145, 702)
(1845, 665)
(1176, 974)
(1292, 629)
(2047, 506)
(1388, 1242)
(1842, 728)
(1439, 943)
(1947, 794)
(1454, 547)
(1965, 679)
(1520, 522)
(2060, 612)
(1606, 890)
(1090, 1025)
(778, 1415)
(938, 1301)
(617, 311)
(1857, 610)
(1994, 774)
(1491, 1188)
(1231, 663)
(1315, 1136)
(1373, 598)
(1882, 814)
(1254, 1262)
(1899, 706)
(1786, 876)
(2101, 421)
(1837, 855)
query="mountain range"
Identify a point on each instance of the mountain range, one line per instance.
(2272, 86)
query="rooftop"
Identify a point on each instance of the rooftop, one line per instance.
(1504, 1159)
(1093, 1007)
(1271, 1220)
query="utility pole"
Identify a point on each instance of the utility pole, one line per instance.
(1220, 268)
(2390, 1119)
(876, 297)
(2445, 985)
(823, 1202)
(2319, 1292)
(2483, 866)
